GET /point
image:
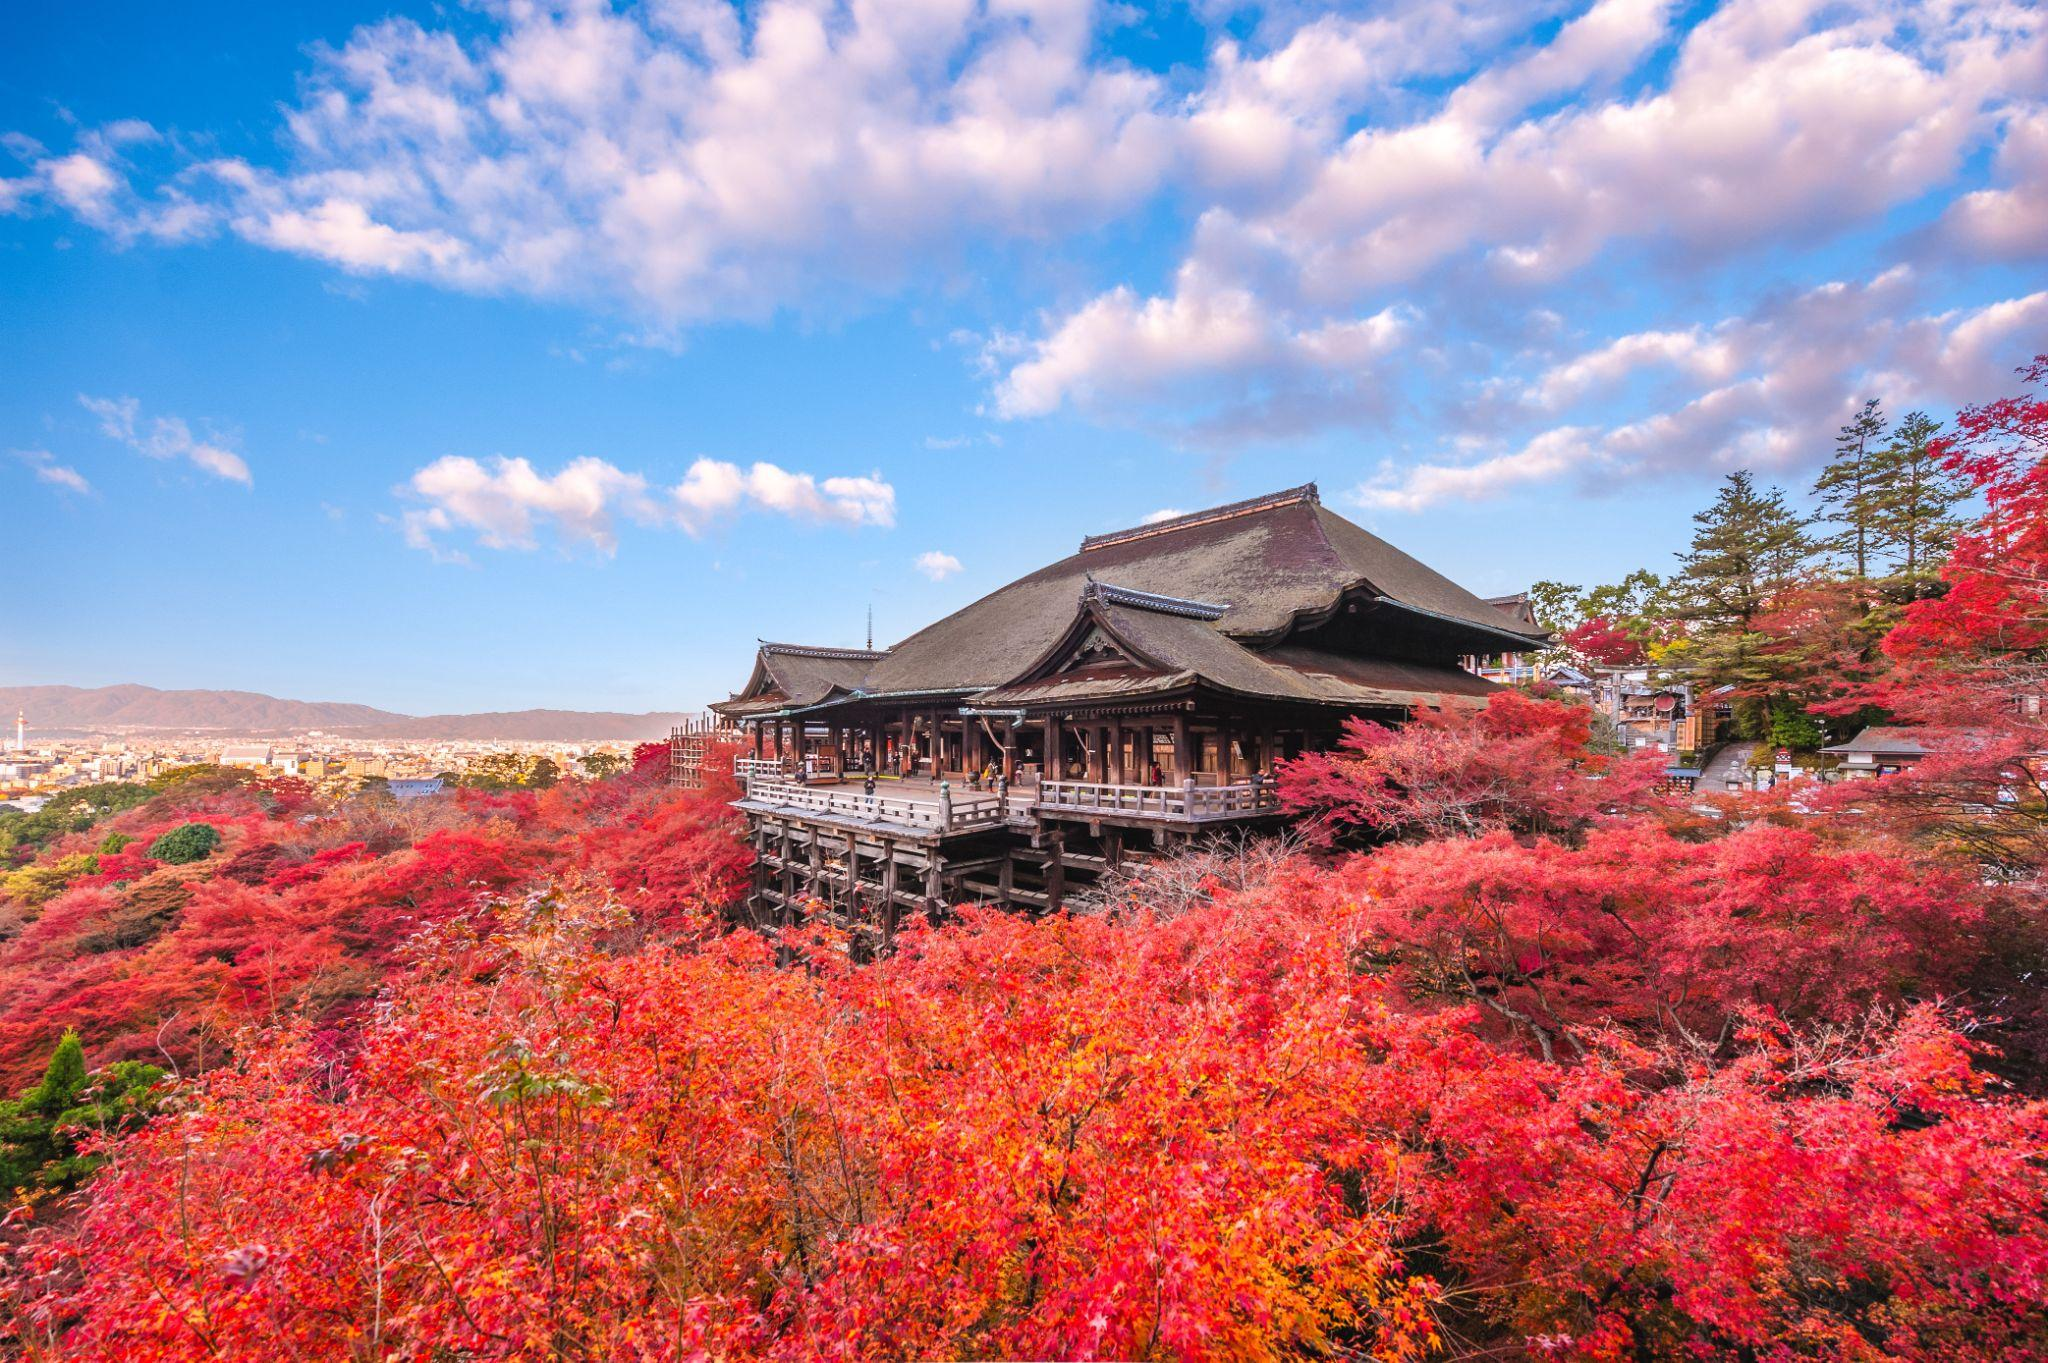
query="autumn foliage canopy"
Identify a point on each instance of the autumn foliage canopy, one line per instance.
(1514, 1056)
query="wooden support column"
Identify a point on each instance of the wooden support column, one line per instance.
(1183, 766)
(1226, 750)
(1055, 868)
(889, 893)
(934, 888)
(788, 878)
(1006, 879)
(1116, 752)
(852, 875)
(1009, 751)
(1051, 767)
(757, 739)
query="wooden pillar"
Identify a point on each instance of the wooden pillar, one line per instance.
(934, 889)
(889, 892)
(757, 739)
(1226, 750)
(1116, 751)
(1091, 741)
(1183, 768)
(1006, 879)
(1009, 754)
(1050, 766)
(1055, 868)
(852, 876)
(788, 876)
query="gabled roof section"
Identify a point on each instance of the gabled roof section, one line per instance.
(1519, 608)
(1274, 560)
(794, 675)
(1165, 643)
(1893, 739)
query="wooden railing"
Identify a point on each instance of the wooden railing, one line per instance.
(748, 768)
(946, 814)
(952, 812)
(1184, 801)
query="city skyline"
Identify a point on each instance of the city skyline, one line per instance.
(549, 356)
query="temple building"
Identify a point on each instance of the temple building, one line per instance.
(1112, 705)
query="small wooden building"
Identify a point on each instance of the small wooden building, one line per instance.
(1108, 705)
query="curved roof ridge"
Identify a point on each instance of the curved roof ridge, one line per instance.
(1307, 492)
(823, 651)
(1151, 601)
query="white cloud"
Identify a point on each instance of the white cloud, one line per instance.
(1164, 513)
(2007, 223)
(164, 437)
(937, 565)
(1770, 123)
(1779, 380)
(57, 475)
(1209, 359)
(685, 161)
(503, 503)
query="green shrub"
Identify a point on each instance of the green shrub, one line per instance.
(44, 881)
(40, 1131)
(187, 842)
(1792, 727)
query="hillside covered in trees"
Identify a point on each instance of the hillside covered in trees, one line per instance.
(1510, 1054)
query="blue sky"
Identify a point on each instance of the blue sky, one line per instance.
(530, 354)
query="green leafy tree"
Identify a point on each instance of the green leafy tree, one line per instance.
(1914, 500)
(1792, 727)
(72, 811)
(1747, 548)
(201, 774)
(1555, 604)
(1848, 491)
(186, 843)
(511, 771)
(599, 766)
(45, 880)
(41, 1131)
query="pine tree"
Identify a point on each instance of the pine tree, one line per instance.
(1913, 498)
(1746, 549)
(1846, 490)
(40, 1132)
(62, 1080)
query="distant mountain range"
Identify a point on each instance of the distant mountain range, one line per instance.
(247, 712)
